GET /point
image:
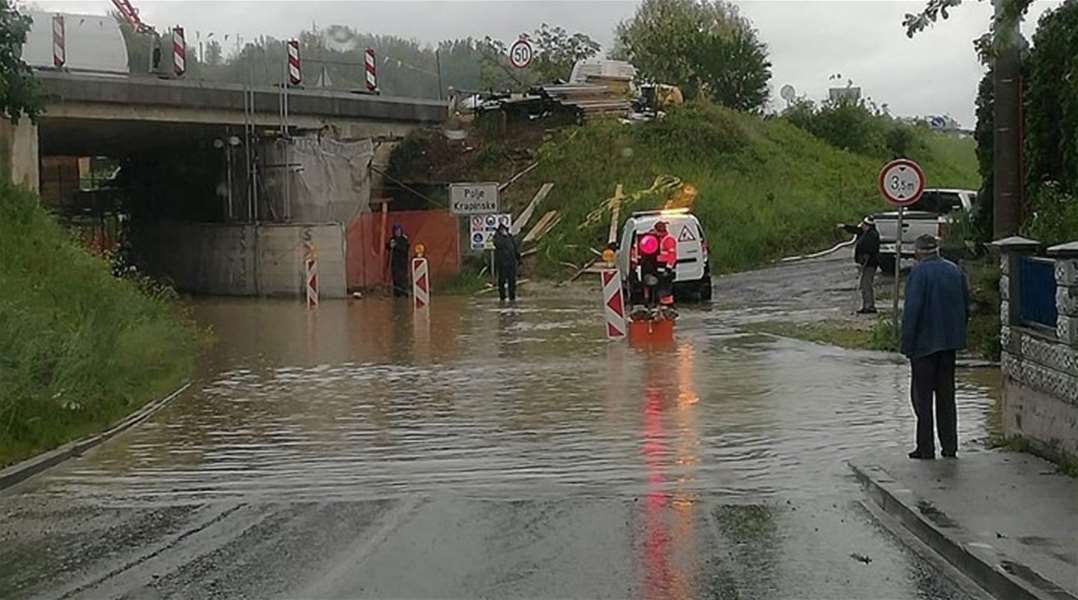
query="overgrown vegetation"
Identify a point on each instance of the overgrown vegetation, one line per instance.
(703, 46)
(19, 91)
(79, 348)
(1051, 114)
(856, 125)
(765, 188)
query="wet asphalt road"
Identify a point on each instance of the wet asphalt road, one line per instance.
(491, 452)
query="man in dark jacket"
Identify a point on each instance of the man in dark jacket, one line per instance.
(398, 247)
(933, 328)
(866, 253)
(506, 258)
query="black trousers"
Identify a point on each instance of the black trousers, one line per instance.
(933, 375)
(507, 282)
(401, 283)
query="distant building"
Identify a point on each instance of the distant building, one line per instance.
(844, 93)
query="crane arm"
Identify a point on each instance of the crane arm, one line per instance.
(131, 16)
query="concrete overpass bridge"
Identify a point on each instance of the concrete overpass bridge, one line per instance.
(99, 115)
(249, 237)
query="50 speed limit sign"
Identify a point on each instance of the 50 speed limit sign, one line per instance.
(520, 53)
(902, 182)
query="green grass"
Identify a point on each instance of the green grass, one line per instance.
(79, 349)
(879, 335)
(767, 189)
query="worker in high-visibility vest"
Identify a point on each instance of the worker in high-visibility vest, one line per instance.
(667, 264)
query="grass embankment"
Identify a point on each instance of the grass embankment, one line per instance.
(766, 188)
(79, 348)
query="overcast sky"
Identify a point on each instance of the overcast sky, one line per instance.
(934, 73)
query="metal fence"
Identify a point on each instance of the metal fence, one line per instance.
(1037, 292)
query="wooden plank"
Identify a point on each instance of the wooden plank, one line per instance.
(615, 212)
(514, 178)
(520, 221)
(538, 229)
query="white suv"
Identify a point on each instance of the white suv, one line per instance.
(693, 278)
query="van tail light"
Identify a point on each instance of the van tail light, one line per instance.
(705, 246)
(941, 229)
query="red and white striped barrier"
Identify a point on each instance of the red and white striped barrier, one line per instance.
(179, 52)
(59, 45)
(372, 74)
(310, 271)
(613, 304)
(294, 75)
(421, 283)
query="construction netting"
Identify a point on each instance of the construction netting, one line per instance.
(329, 181)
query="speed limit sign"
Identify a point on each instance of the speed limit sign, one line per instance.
(520, 53)
(902, 182)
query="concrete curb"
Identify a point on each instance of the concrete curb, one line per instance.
(998, 574)
(19, 472)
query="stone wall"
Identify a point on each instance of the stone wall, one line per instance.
(1040, 367)
(247, 260)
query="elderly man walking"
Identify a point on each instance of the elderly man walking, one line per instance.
(933, 328)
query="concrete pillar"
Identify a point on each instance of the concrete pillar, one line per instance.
(19, 158)
(1066, 256)
(1011, 250)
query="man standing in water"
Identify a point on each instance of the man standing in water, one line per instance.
(933, 328)
(506, 258)
(398, 247)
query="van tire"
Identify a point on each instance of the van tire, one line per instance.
(705, 287)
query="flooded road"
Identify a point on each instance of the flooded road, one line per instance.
(490, 451)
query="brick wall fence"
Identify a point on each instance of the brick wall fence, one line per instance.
(1039, 316)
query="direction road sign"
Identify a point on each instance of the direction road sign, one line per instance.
(520, 53)
(473, 198)
(902, 182)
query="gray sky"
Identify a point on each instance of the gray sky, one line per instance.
(934, 73)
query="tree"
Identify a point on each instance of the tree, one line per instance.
(556, 52)
(214, 55)
(19, 91)
(1000, 47)
(703, 46)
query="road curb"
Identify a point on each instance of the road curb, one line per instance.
(998, 574)
(19, 472)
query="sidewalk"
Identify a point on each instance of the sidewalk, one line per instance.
(1007, 520)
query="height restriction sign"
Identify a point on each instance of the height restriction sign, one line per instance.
(902, 182)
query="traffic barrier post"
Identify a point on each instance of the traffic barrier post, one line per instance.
(310, 262)
(613, 304)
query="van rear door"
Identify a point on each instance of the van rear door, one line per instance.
(690, 248)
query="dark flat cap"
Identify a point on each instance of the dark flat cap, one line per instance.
(926, 243)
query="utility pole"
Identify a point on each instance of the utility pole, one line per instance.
(1007, 137)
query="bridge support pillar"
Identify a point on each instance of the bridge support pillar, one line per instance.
(19, 156)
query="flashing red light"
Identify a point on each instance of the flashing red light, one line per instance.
(648, 245)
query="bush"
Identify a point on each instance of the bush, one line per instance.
(1054, 218)
(79, 349)
(857, 126)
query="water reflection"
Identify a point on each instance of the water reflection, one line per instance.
(670, 457)
(362, 400)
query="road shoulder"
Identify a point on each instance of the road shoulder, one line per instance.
(1008, 521)
(19, 472)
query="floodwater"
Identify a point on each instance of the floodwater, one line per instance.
(364, 400)
(514, 435)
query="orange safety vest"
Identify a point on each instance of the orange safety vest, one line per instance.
(668, 250)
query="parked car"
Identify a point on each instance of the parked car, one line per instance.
(693, 277)
(932, 214)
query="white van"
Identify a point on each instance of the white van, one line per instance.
(693, 279)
